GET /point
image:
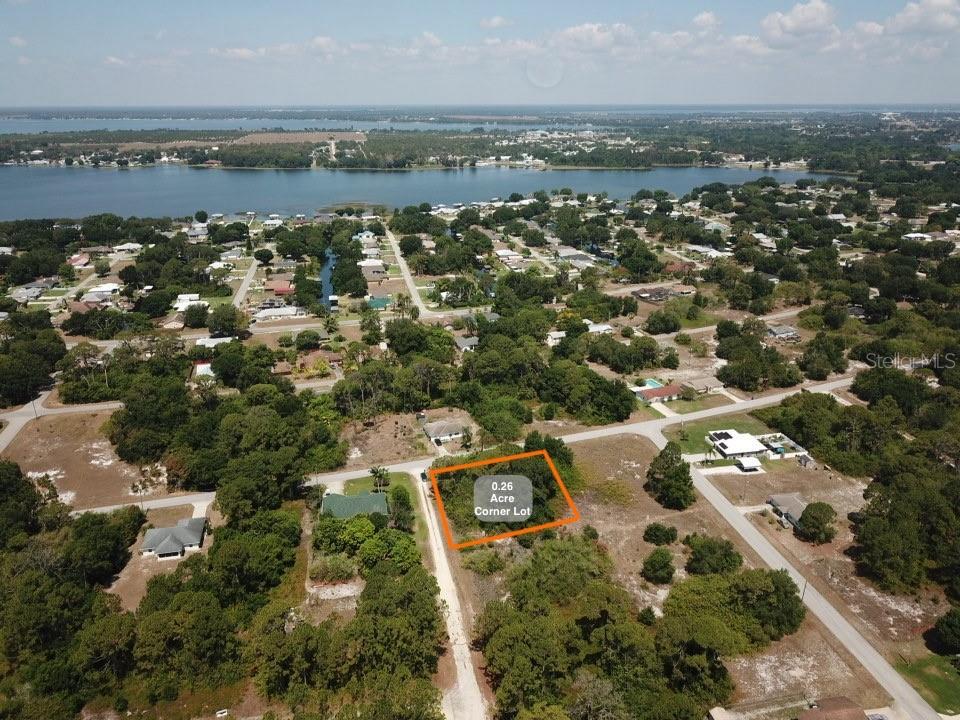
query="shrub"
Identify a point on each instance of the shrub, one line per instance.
(332, 568)
(658, 567)
(816, 523)
(484, 562)
(711, 555)
(659, 534)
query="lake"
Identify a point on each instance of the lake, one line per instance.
(178, 190)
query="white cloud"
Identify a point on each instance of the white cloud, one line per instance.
(933, 16)
(706, 20)
(491, 23)
(114, 61)
(801, 21)
(23, 60)
(239, 53)
(17, 41)
(593, 37)
(750, 44)
(428, 39)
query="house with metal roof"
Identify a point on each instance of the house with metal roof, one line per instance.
(348, 506)
(733, 444)
(173, 542)
(443, 430)
(789, 507)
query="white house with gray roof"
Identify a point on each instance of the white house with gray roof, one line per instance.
(173, 542)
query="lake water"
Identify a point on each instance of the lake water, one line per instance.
(178, 190)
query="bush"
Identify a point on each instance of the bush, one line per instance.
(816, 523)
(658, 534)
(332, 568)
(658, 567)
(661, 322)
(947, 632)
(711, 555)
(484, 562)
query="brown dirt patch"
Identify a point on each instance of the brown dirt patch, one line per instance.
(75, 455)
(389, 438)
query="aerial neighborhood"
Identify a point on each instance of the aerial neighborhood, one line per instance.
(566, 406)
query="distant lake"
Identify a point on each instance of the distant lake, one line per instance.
(178, 190)
(30, 126)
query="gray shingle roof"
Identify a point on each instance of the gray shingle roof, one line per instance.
(347, 506)
(169, 540)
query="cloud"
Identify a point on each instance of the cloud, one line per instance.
(926, 16)
(113, 60)
(239, 53)
(750, 44)
(23, 60)
(17, 41)
(491, 23)
(593, 37)
(706, 20)
(800, 22)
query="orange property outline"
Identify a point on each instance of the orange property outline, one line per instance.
(433, 473)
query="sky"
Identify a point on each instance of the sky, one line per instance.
(298, 52)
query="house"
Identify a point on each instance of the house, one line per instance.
(185, 300)
(213, 342)
(683, 290)
(128, 247)
(442, 431)
(275, 313)
(348, 506)
(79, 260)
(749, 464)
(279, 287)
(598, 328)
(783, 333)
(203, 369)
(174, 542)
(466, 344)
(734, 444)
(97, 250)
(837, 708)
(372, 269)
(665, 393)
(555, 336)
(703, 385)
(788, 507)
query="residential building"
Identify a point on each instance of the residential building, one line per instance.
(783, 333)
(733, 444)
(348, 506)
(788, 507)
(703, 385)
(443, 430)
(173, 542)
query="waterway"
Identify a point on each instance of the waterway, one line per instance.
(178, 190)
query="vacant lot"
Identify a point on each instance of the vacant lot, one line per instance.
(79, 460)
(692, 436)
(704, 402)
(389, 438)
(787, 476)
(616, 504)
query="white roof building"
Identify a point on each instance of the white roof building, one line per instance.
(733, 443)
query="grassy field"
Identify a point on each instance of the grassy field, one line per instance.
(704, 402)
(365, 484)
(692, 436)
(936, 680)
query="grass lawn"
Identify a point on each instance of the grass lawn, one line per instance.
(692, 436)
(704, 402)
(936, 680)
(365, 484)
(680, 306)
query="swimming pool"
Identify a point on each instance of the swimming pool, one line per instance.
(651, 383)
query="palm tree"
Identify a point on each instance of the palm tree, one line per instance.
(381, 478)
(402, 305)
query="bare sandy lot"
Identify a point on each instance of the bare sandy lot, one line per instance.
(79, 460)
(390, 438)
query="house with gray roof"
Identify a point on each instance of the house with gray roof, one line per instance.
(174, 542)
(443, 430)
(348, 506)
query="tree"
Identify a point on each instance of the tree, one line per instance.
(947, 632)
(200, 216)
(67, 272)
(711, 555)
(226, 321)
(658, 534)
(101, 267)
(658, 567)
(381, 478)
(816, 523)
(195, 316)
(263, 255)
(401, 508)
(668, 479)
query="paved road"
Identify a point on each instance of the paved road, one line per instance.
(465, 699)
(244, 288)
(18, 417)
(425, 312)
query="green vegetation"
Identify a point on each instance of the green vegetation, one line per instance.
(29, 350)
(668, 479)
(692, 435)
(937, 680)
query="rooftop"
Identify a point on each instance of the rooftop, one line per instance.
(348, 506)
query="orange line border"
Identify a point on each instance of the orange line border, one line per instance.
(448, 532)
